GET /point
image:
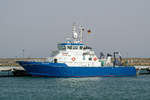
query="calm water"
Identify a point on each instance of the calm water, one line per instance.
(39, 88)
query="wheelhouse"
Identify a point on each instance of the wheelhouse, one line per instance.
(73, 46)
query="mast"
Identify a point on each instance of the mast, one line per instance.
(76, 38)
(81, 33)
(74, 33)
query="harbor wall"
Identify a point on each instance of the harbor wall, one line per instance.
(137, 61)
(12, 61)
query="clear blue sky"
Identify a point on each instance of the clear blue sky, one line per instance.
(37, 25)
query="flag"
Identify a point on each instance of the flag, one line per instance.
(89, 31)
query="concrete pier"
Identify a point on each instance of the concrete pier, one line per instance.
(10, 68)
(16, 71)
(142, 69)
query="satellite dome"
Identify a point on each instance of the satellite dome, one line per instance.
(75, 35)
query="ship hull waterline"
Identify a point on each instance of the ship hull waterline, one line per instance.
(62, 70)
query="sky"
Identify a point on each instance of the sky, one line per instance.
(36, 26)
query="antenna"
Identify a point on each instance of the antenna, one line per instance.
(81, 33)
(74, 33)
(23, 53)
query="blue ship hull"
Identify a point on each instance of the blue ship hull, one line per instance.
(62, 70)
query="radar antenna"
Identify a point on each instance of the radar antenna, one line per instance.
(74, 33)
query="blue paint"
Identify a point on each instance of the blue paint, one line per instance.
(62, 70)
(71, 44)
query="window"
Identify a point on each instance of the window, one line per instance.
(90, 59)
(55, 60)
(87, 47)
(75, 47)
(83, 57)
(61, 47)
(81, 47)
(69, 47)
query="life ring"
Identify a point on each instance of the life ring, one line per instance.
(95, 58)
(73, 58)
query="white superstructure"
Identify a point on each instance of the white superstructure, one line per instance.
(75, 53)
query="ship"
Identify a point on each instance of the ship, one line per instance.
(74, 58)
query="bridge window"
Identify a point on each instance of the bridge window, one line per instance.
(61, 47)
(87, 47)
(75, 47)
(81, 47)
(69, 47)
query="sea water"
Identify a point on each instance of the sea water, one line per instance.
(98, 88)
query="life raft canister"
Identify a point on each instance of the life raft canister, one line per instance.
(73, 58)
(95, 58)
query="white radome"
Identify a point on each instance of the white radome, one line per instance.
(75, 35)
